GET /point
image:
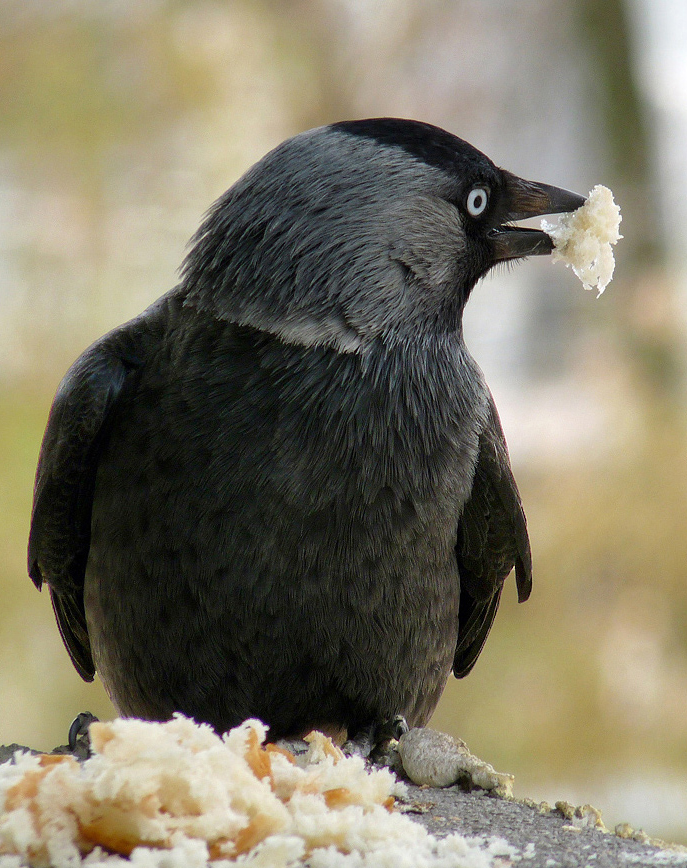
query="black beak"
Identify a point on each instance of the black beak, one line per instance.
(529, 199)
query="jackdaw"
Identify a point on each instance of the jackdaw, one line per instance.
(283, 490)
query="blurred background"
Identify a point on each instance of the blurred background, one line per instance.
(122, 120)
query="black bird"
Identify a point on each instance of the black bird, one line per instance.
(283, 490)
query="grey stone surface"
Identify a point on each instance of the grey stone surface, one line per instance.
(557, 841)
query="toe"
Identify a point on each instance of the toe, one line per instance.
(79, 741)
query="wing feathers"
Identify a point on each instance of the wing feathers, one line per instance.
(65, 479)
(492, 539)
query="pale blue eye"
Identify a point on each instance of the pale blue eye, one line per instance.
(477, 201)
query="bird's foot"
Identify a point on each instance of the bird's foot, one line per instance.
(393, 729)
(79, 741)
(296, 746)
(79, 737)
(372, 741)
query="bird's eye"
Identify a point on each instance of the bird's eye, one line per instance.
(477, 201)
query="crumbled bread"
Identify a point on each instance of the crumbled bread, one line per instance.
(583, 238)
(439, 760)
(581, 816)
(177, 795)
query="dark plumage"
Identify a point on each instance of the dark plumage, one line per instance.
(283, 490)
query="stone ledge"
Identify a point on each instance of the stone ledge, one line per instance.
(562, 837)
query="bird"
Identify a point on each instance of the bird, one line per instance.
(283, 490)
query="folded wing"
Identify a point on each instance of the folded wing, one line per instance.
(59, 539)
(492, 540)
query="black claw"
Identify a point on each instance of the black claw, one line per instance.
(362, 743)
(296, 746)
(78, 731)
(373, 738)
(392, 729)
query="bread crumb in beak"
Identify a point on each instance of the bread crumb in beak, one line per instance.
(583, 238)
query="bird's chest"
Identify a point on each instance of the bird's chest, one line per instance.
(294, 460)
(373, 461)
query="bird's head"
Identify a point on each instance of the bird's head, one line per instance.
(363, 230)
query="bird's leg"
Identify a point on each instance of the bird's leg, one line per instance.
(393, 728)
(385, 752)
(79, 738)
(297, 746)
(370, 740)
(362, 742)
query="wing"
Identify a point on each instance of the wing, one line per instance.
(59, 539)
(492, 539)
